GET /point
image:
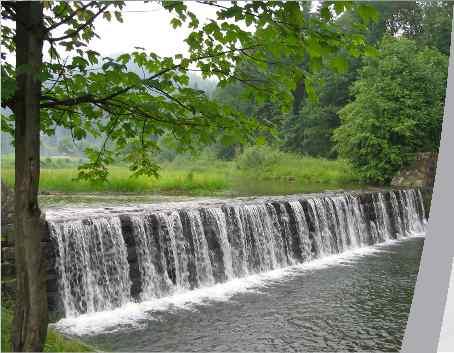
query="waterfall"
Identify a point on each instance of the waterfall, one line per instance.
(105, 262)
(152, 259)
(92, 266)
(383, 222)
(301, 232)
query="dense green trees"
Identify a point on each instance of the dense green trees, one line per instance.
(424, 27)
(310, 131)
(397, 109)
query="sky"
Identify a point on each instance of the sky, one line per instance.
(146, 25)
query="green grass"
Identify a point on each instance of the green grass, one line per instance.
(54, 343)
(170, 181)
(56, 162)
(285, 173)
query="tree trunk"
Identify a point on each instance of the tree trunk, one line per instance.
(30, 321)
(298, 96)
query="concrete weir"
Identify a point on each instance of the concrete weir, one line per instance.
(102, 258)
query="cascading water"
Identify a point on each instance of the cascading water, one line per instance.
(105, 262)
(92, 266)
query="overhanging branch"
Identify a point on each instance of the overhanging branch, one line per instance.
(79, 28)
(70, 16)
(88, 98)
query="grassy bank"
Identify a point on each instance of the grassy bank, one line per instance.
(253, 173)
(54, 343)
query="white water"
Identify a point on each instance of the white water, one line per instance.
(92, 265)
(194, 255)
(136, 314)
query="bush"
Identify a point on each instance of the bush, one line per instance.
(259, 159)
(397, 110)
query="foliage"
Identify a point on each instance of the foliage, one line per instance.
(313, 134)
(309, 128)
(259, 159)
(427, 22)
(55, 162)
(397, 109)
(310, 131)
(266, 163)
(101, 97)
(437, 25)
(282, 173)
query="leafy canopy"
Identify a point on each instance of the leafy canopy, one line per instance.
(397, 109)
(100, 97)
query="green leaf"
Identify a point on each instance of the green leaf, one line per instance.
(107, 15)
(260, 140)
(368, 13)
(118, 16)
(325, 13)
(92, 56)
(371, 51)
(339, 63)
(175, 22)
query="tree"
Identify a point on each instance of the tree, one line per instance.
(427, 23)
(28, 329)
(397, 109)
(99, 96)
(437, 25)
(310, 131)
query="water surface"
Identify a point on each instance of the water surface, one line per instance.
(356, 303)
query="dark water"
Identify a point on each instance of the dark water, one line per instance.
(357, 305)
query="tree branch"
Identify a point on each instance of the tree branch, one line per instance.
(60, 75)
(176, 100)
(70, 16)
(9, 103)
(80, 28)
(88, 98)
(52, 103)
(9, 8)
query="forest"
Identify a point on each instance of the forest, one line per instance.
(355, 123)
(376, 112)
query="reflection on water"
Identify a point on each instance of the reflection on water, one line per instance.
(361, 304)
(104, 200)
(243, 189)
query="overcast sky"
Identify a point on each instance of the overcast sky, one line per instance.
(145, 25)
(148, 26)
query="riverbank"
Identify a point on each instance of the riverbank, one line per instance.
(55, 342)
(205, 177)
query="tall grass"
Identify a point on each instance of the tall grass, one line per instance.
(259, 170)
(264, 163)
(120, 180)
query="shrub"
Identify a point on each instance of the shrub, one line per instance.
(397, 110)
(258, 159)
